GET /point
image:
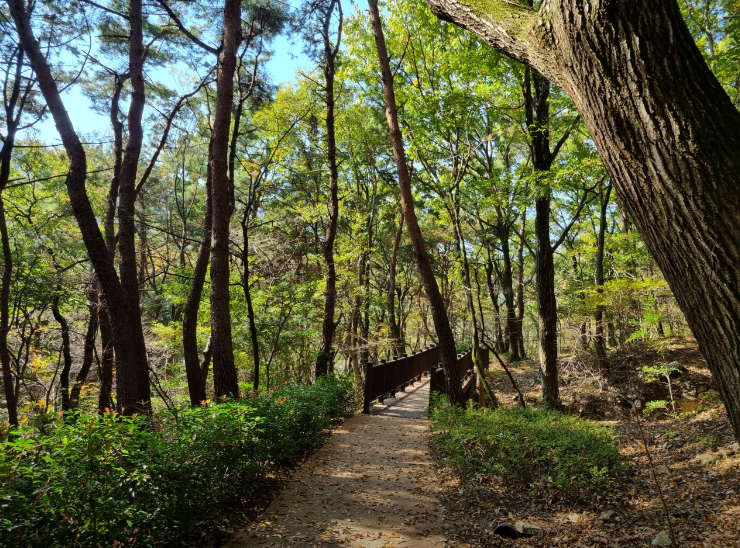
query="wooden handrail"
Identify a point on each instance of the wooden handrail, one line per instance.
(384, 379)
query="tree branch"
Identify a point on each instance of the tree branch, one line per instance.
(503, 24)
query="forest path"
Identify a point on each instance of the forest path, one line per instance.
(372, 485)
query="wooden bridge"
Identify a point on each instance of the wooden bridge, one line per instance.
(385, 379)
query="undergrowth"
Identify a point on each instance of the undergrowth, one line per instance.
(536, 448)
(108, 480)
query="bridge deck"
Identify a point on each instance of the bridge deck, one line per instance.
(372, 485)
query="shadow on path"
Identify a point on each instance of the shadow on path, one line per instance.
(372, 486)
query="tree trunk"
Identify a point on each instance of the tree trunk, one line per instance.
(537, 109)
(599, 341)
(421, 257)
(130, 352)
(224, 368)
(248, 297)
(502, 341)
(398, 345)
(325, 357)
(482, 385)
(132, 377)
(546, 307)
(667, 133)
(519, 335)
(11, 397)
(507, 285)
(88, 354)
(193, 372)
(66, 353)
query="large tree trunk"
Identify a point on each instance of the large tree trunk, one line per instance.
(668, 135)
(224, 368)
(325, 357)
(132, 377)
(421, 256)
(130, 353)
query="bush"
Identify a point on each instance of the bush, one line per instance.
(107, 480)
(532, 447)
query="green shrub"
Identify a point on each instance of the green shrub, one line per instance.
(532, 447)
(107, 480)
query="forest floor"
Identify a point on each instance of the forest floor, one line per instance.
(695, 461)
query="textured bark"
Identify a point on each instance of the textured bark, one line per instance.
(224, 368)
(667, 133)
(325, 357)
(130, 353)
(445, 337)
(132, 377)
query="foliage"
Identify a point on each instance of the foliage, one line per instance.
(526, 446)
(106, 480)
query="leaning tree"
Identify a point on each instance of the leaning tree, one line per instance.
(668, 135)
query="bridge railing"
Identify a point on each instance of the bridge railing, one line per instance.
(388, 377)
(464, 371)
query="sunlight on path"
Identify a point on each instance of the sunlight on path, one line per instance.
(372, 486)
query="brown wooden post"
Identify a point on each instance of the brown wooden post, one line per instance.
(403, 371)
(382, 383)
(394, 375)
(368, 387)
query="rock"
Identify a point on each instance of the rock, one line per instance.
(505, 530)
(608, 515)
(662, 469)
(527, 530)
(705, 458)
(574, 518)
(662, 539)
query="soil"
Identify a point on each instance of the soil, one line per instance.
(694, 460)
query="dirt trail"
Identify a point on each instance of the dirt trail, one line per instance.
(372, 485)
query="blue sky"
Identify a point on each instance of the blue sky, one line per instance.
(286, 60)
